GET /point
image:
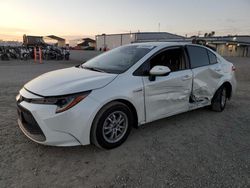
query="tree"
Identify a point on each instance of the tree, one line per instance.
(211, 34)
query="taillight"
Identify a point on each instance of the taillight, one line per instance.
(233, 68)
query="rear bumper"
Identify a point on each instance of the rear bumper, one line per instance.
(234, 86)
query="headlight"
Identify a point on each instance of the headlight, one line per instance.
(63, 103)
(68, 102)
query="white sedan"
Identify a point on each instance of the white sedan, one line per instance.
(100, 101)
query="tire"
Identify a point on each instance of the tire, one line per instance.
(219, 100)
(111, 125)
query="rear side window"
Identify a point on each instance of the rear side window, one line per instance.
(212, 57)
(198, 56)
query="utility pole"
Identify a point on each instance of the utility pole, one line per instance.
(159, 27)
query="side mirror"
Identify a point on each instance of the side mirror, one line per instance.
(158, 70)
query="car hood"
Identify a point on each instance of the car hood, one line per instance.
(68, 81)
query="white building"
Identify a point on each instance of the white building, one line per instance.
(110, 41)
(236, 45)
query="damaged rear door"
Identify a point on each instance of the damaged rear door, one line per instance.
(206, 73)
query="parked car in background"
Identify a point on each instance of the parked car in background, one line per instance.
(100, 101)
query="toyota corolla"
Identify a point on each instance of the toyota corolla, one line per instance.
(100, 101)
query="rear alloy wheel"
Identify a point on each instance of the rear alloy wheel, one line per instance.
(219, 100)
(112, 125)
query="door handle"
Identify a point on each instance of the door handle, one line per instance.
(137, 90)
(186, 77)
(217, 69)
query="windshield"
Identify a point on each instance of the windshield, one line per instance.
(118, 60)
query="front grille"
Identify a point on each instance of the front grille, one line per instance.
(29, 124)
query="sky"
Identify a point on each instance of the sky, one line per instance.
(80, 18)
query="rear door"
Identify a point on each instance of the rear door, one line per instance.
(206, 72)
(168, 95)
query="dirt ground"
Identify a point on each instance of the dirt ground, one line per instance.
(200, 148)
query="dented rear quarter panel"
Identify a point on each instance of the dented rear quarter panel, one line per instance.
(228, 74)
(205, 81)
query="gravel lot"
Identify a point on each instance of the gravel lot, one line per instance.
(200, 148)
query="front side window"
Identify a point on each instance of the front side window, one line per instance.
(118, 60)
(198, 56)
(172, 58)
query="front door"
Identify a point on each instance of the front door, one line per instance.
(168, 95)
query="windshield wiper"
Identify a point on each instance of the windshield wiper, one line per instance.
(92, 68)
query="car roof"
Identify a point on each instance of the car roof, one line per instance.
(161, 44)
(169, 44)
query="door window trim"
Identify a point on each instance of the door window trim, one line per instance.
(139, 72)
(186, 46)
(210, 59)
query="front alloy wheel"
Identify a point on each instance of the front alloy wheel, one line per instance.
(115, 126)
(111, 125)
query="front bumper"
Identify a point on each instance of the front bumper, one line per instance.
(41, 124)
(28, 124)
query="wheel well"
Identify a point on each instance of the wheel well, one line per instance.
(228, 87)
(133, 110)
(125, 102)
